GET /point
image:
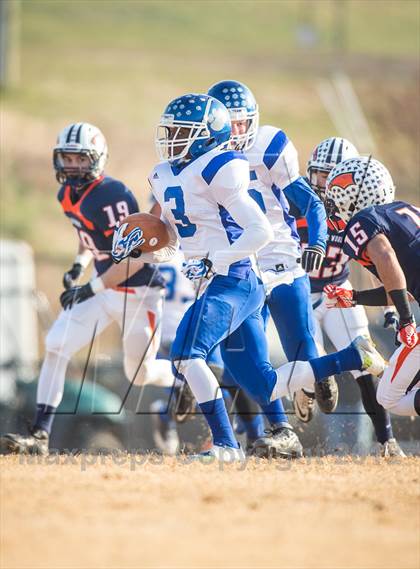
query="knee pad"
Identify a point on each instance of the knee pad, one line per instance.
(56, 344)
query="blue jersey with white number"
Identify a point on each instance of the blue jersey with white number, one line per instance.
(94, 212)
(334, 269)
(400, 223)
(195, 200)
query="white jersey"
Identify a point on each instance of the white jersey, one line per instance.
(273, 166)
(195, 200)
(180, 294)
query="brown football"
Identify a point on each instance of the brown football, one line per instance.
(154, 230)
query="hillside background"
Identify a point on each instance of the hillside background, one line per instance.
(117, 64)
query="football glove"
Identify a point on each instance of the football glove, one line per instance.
(123, 246)
(338, 297)
(391, 320)
(72, 275)
(76, 295)
(196, 269)
(407, 334)
(312, 258)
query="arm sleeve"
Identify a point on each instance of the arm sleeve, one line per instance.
(310, 206)
(230, 189)
(166, 253)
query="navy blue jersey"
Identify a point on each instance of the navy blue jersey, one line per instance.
(95, 213)
(400, 223)
(334, 269)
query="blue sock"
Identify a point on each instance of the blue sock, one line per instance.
(275, 413)
(218, 420)
(45, 415)
(253, 426)
(345, 360)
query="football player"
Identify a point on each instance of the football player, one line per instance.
(335, 270)
(202, 189)
(130, 294)
(383, 235)
(275, 180)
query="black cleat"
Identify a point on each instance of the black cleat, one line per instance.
(34, 443)
(184, 403)
(280, 442)
(303, 403)
(326, 394)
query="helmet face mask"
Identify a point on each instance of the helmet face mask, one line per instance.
(241, 104)
(318, 180)
(86, 142)
(325, 156)
(356, 184)
(191, 126)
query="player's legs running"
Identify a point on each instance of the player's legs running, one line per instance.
(225, 304)
(292, 313)
(73, 330)
(351, 323)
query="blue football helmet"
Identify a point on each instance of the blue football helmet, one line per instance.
(190, 126)
(241, 104)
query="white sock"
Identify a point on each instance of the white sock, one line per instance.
(200, 378)
(51, 380)
(405, 405)
(291, 377)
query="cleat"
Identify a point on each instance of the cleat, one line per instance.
(390, 449)
(326, 394)
(372, 361)
(220, 453)
(303, 403)
(280, 442)
(34, 443)
(185, 403)
(165, 435)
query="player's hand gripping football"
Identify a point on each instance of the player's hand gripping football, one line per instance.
(196, 269)
(407, 333)
(312, 258)
(123, 245)
(338, 297)
(75, 295)
(71, 276)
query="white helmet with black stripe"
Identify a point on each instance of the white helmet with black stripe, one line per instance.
(358, 183)
(325, 156)
(85, 139)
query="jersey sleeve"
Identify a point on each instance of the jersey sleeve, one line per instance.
(310, 207)
(227, 175)
(360, 230)
(281, 159)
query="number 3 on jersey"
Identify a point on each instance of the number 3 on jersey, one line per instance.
(185, 227)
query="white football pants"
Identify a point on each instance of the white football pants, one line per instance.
(138, 313)
(341, 325)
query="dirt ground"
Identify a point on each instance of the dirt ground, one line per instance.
(128, 511)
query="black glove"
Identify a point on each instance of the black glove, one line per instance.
(312, 258)
(391, 320)
(75, 295)
(72, 275)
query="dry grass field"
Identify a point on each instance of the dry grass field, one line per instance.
(131, 511)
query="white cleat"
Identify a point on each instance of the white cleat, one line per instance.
(391, 449)
(372, 361)
(303, 403)
(221, 453)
